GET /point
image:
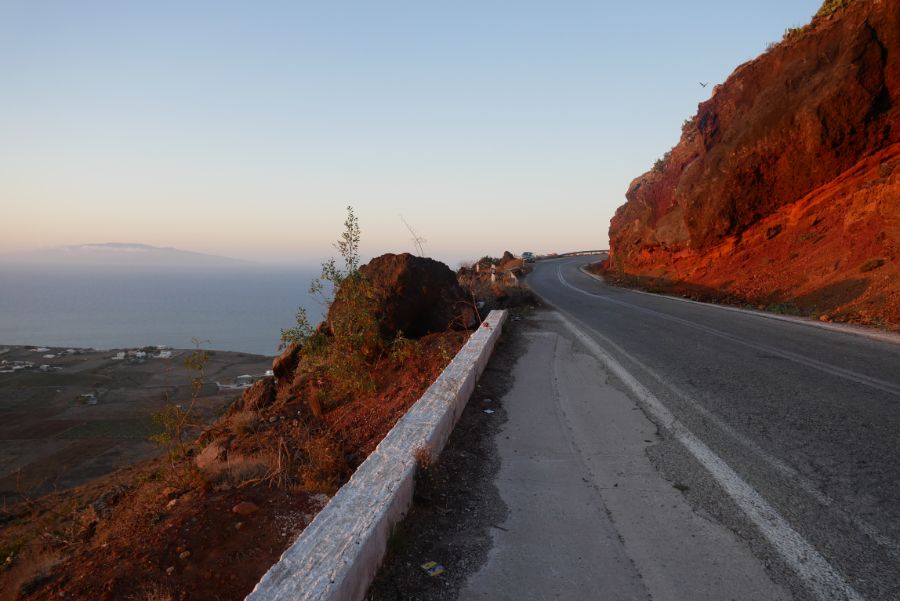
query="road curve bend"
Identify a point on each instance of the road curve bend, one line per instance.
(797, 426)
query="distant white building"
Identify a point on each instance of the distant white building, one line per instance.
(244, 380)
(164, 355)
(88, 398)
(119, 356)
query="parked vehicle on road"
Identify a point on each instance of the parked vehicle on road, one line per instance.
(528, 257)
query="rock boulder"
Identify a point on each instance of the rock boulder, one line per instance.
(416, 296)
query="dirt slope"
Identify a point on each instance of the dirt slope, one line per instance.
(784, 188)
(206, 522)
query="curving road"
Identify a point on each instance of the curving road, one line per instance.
(786, 432)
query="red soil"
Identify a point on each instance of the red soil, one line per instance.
(784, 188)
(158, 537)
(834, 253)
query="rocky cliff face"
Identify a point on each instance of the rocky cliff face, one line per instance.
(785, 186)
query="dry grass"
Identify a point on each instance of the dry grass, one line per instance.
(324, 465)
(237, 470)
(244, 422)
(155, 592)
(424, 457)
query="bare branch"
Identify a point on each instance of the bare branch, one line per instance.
(418, 240)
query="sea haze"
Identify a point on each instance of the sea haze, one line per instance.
(235, 308)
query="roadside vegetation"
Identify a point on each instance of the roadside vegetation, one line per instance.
(348, 343)
(227, 498)
(496, 283)
(179, 425)
(829, 7)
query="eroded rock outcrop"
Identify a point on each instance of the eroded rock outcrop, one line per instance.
(785, 186)
(417, 296)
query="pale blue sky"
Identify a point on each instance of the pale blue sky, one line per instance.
(244, 129)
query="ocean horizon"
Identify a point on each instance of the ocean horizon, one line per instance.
(240, 308)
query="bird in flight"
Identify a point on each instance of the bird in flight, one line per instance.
(703, 85)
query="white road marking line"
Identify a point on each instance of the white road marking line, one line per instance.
(819, 577)
(827, 368)
(777, 464)
(787, 470)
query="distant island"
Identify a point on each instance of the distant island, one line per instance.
(119, 253)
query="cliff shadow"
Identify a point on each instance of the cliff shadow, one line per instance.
(658, 285)
(833, 295)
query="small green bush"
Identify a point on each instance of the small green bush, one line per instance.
(179, 425)
(792, 31)
(660, 165)
(343, 351)
(783, 308)
(829, 7)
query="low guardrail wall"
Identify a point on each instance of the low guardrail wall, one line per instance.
(337, 555)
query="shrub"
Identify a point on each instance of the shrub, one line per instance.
(340, 353)
(424, 457)
(179, 424)
(783, 308)
(872, 264)
(792, 31)
(239, 469)
(324, 467)
(243, 421)
(829, 7)
(811, 237)
(661, 163)
(403, 349)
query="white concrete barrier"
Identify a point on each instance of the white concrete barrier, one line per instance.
(336, 557)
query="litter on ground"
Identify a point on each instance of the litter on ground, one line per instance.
(433, 568)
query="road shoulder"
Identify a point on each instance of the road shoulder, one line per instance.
(456, 503)
(553, 495)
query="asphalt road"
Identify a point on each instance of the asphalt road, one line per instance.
(786, 433)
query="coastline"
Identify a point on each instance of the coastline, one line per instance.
(76, 414)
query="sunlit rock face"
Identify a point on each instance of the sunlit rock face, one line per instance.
(784, 187)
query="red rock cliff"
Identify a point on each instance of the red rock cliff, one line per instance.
(785, 187)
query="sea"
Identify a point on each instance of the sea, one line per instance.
(223, 308)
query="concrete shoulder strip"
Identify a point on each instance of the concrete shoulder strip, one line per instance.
(337, 555)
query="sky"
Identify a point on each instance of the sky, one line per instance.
(246, 128)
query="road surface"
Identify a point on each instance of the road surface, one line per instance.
(785, 434)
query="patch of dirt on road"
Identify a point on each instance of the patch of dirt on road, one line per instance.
(456, 505)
